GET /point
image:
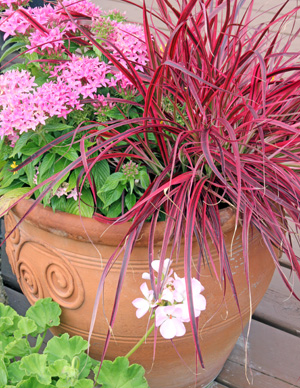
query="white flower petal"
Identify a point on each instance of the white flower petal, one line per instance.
(167, 329)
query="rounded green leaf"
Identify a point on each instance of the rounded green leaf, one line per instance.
(26, 326)
(45, 313)
(118, 374)
(65, 347)
(15, 374)
(32, 382)
(36, 365)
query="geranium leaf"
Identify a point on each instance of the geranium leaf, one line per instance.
(3, 373)
(36, 365)
(25, 326)
(45, 313)
(18, 348)
(65, 347)
(32, 382)
(84, 383)
(118, 374)
(57, 368)
(15, 374)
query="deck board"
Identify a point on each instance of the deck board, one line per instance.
(273, 360)
(278, 307)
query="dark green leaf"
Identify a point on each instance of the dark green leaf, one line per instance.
(100, 172)
(46, 165)
(130, 200)
(114, 210)
(109, 197)
(112, 182)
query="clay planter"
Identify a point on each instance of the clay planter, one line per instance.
(61, 256)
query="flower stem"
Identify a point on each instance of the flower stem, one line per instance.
(141, 341)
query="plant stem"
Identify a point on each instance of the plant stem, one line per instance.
(141, 341)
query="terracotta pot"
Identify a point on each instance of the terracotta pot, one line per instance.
(62, 256)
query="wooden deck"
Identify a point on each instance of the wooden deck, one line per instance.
(273, 344)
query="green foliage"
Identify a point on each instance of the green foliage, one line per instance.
(118, 374)
(130, 184)
(63, 364)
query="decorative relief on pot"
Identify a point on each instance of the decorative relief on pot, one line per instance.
(57, 277)
(13, 239)
(29, 281)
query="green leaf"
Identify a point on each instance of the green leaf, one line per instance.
(18, 348)
(10, 41)
(86, 205)
(29, 149)
(15, 374)
(26, 326)
(56, 127)
(3, 373)
(84, 383)
(114, 113)
(130, 200)
(12, 186)
(114, 210)
(85, 365)
(35, 365)
(7, 317)
(144, 179)
(58, 367)
(22, 141)
(112, 182)
(45, 313)
(59, 203)
(5, 323)
(15, 47)
(100, 172)
(67, 152)
(10, 197)
(112, 196)
(46, 165)
(118, 374)
(32, 383)
(65, 347)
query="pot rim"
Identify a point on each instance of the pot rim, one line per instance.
(88, 229)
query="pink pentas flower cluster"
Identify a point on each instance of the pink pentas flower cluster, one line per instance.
(51, 42)
(171, 308)
(19, 104)
(130, 40)
(83, 75)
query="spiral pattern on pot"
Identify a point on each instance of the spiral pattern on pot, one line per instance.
(64, 285)
(29, 281)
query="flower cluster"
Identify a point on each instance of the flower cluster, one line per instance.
(171, 307)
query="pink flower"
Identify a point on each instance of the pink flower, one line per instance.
(168, 319)
(73, 194)
(143, 305)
